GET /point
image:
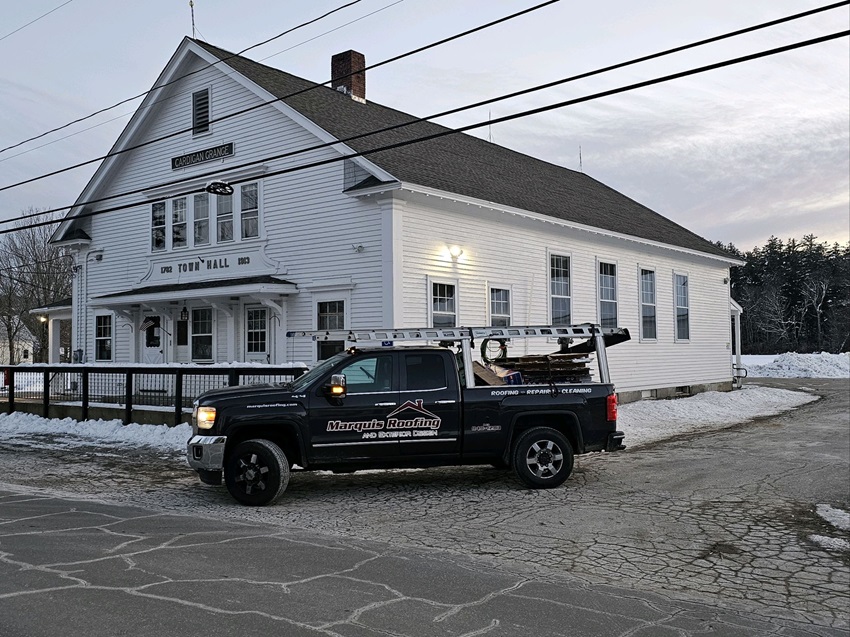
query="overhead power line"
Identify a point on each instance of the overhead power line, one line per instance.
(446, 132)
(453, 111)
(279, 99)
(135, 97)
(44, 15)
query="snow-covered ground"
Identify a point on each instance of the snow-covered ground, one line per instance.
(793, 365)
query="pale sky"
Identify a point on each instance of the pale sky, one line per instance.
(736, 155)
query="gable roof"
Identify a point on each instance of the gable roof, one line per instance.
(466, 165)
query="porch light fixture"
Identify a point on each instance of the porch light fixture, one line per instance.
(219, 188)
(455, 252)
(184, 314)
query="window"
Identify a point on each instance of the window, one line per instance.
(368, 375)
(202, 219)
(559, 289)
(150, 326)
(257, 325)
(224, 217)
(683, 330)
(443, 308)
(201, 112)
(158, 226)
(103, 338)
(250, 210)
(608, 294)
(202, 340)
(330, 315)
(647, 305)
(424, 371)
(500, 307)
(179, 238)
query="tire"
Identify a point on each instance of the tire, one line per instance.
(256, 472)
(543, 458)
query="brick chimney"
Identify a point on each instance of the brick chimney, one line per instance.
(348, 74)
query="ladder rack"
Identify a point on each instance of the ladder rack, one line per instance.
(585, 330)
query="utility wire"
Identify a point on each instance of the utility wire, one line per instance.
(279, 99)
(172, 97)
(446, 113)
(36, 20)
(446, 132)
(135, 97)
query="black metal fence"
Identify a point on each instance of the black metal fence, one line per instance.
(131, 387)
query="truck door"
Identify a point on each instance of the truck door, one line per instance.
(428, 417)
(353, 428)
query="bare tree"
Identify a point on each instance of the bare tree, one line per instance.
(33, 274)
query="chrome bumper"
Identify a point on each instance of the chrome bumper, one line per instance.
(206, 453)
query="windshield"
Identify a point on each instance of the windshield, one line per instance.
(302, 382)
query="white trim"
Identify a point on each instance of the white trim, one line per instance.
(490, 286)
(112, 334)
(519, 212)
(188, 293)
(431, 281)
(172, 190)
(676, 306)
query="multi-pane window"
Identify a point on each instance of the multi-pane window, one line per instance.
(202, 334)
(330, 315)
(200, 112)
(224, 218)
(647, 305)
(607, 294)
(443, 305)
(559, 289)
(158, 226)
(500, 307)
(250, 212)
(179, 238)
(257, 326)
(683, 329)
(202, 219)
(103, 338)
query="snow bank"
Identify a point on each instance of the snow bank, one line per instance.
(793, 365)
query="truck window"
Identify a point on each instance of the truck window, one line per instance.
(425, 371)
(369, 374)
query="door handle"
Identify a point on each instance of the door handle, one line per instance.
(445, 402)
(385, 404)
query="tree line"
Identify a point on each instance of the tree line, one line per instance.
(795, 296)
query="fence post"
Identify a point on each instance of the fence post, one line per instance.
(233, 378)
(45, 394)
(85, 390)
(128, 399)
(11, 390)
(178, 398)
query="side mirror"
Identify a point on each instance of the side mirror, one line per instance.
(336, 387)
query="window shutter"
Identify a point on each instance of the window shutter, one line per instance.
(200, 112)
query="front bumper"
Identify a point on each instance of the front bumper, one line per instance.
(615, 441)
(206, 453)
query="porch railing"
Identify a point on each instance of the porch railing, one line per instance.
(171, 388)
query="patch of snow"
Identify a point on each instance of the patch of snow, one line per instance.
(836, 517)
(653, 420)
(830, 543)
(793, 365)
(757, 359)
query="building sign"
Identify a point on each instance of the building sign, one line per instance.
(232, 261)
(202, 156)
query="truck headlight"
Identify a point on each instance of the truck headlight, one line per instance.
(205, 417)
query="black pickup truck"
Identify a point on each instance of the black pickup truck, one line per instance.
(415, 406)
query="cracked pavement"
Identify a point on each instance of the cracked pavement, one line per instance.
(710, 533)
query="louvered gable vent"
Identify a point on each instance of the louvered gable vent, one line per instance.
(200, 112)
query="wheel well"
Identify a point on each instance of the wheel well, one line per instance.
(564, 422)
(282, 435)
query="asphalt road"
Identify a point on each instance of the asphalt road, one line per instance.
(713, 534)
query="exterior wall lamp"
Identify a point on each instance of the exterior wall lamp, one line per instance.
(184, 314)
(455, 252)
(219, 188)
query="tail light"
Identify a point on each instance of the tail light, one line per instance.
(611, 411)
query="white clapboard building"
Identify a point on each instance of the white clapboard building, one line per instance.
(324, 229)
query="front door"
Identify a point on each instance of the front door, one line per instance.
(257, 346)
(353, 428)
(153, 345)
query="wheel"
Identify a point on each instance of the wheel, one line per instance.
(543, 458)
(256, 472)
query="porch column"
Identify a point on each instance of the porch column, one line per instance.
(53, 340)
